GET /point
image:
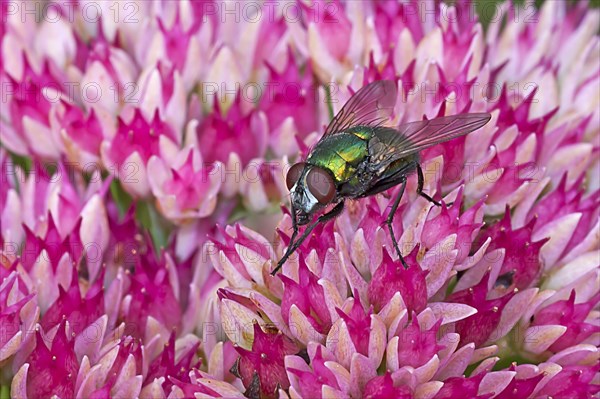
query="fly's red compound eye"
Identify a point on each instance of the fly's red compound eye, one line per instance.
(321, 185)
(294, 174)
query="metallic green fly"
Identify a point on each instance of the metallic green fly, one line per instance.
(358, 156)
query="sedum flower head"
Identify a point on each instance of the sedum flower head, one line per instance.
(140, 226)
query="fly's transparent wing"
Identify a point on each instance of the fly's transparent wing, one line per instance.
(370, 106)
(414, 137)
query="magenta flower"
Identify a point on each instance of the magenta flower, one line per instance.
(573, 381)
(417, 346)
(290, 105)
(520, 387)
(30, 109)
(383, 387)
(18, 314)
(391, 277)
(128, 153)
(51, 370)
(110, 71)
(162, 88)
(166, 368)
(566, 313)
(151, 282)
(143, 203)
(186, 192)
(222, 134)
(358, 325)
(522, 265)
(53, 244)
(478, 327)
(326, 36)
(262, 368)
(308, 298)
(82, 135)
(458, 386)
(392, 19)
(70, 306)
(177, 40)
(316, 379)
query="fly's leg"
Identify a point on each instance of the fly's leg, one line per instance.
(336, 211)
(294, 226)
(420, 182)
(390, 219)
(288, 252)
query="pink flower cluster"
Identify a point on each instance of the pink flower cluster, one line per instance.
(144, 147)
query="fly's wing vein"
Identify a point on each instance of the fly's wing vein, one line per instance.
(414, 137)
(370, 106)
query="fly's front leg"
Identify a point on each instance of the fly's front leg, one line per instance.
(420, 182)
(336, 211)
(390, 219)
(294, 245)
(295, 227)
(288, 251)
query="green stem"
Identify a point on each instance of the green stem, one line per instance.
(328, 100)
(509, 351)
(151, 220)
(4, 391)
(120, 196)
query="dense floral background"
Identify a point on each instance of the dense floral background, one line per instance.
(144, 151)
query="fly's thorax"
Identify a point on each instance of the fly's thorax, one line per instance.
(362, 132)
(340, 154)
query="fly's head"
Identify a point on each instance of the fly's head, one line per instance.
(311, 188)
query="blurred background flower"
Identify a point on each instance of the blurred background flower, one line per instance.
(144, 148)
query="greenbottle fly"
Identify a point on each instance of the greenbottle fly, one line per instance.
(358, 156)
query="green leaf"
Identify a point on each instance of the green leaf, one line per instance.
(510, 351)
(238, 213)
(24, 162)
(121, 198)
(159, 228)
(21, 162)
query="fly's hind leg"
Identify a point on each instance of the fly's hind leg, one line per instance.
(390, 219)
(420, 182)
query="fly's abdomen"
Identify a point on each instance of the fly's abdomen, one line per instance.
(402, 166)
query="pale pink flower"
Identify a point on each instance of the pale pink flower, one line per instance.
(150, 277)
(186, 190)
